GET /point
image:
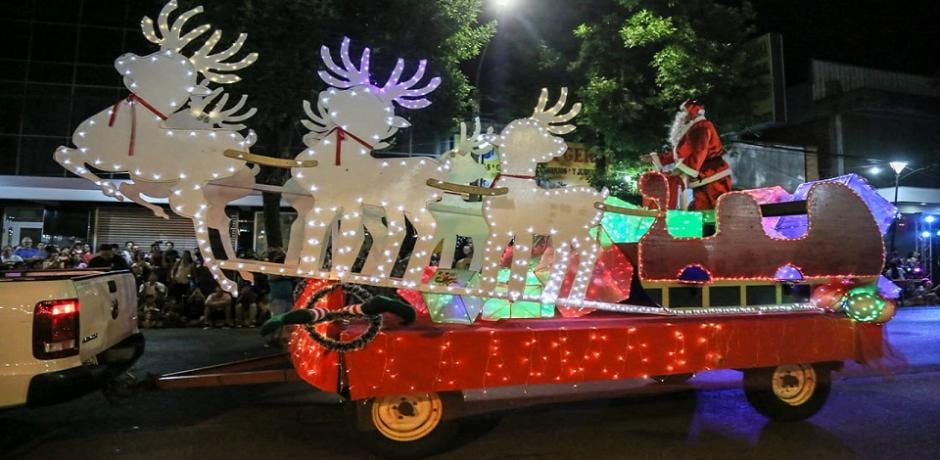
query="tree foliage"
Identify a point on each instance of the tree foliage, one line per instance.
(641, 58)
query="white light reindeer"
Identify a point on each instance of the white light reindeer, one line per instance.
(453, 214)
(565, 214)
(353, 117)
(162, 136)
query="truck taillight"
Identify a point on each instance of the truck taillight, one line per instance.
(55, 329)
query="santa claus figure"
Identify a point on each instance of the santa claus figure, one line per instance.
(695, 160)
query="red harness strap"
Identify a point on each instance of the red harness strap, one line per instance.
(341, 135)
(498, 175)
(131, 102)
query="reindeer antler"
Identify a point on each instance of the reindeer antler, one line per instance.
(349, 75)
(219, 115)
(404, 93)
(171, 37)
(206, 62)
(318, 123)
(551, 118)
(475, 143)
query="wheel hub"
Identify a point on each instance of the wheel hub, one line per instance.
(794, 384)
(407, 417)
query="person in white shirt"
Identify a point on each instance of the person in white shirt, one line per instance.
(9, 258)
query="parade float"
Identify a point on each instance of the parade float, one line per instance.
(567, 285)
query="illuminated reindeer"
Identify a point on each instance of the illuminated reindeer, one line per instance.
(170, 133)
(565, 214)
(453, 214)
(354, 117)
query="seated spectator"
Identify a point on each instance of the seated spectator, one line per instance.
(27, 251)
(107, 259)
(219, 300)
(87, 254)
(141, 268)
(9, 259)
(195, 308)
(246, 307)
(151, 297)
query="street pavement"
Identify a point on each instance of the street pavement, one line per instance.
(891, 411)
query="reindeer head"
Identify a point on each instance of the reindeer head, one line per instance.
(357, 105)
(526, 142)
(464, 168)
(167, 78)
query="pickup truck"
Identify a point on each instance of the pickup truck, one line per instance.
(65, 333)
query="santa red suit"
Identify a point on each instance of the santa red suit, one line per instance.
(695, 160)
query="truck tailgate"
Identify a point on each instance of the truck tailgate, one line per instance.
(108, 311)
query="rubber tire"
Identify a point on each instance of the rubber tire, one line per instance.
(759, 392)
(439, 440)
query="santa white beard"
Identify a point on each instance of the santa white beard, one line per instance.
(681, 124)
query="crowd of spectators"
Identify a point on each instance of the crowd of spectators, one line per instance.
(912, 276)
(175, 288)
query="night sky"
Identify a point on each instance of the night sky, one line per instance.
(899, 35)
(890, 35)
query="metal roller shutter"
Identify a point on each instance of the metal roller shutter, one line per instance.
(117, 225)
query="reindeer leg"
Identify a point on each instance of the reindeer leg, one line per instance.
(519, 268)
(394, 240)
(375, 260)
(191, 202)
(421, 254)
(74, 161)
(318, 225)
(493, 250)
(302, 202)
(587, 258)
(133, 191)
(219, 194)
(345, 249)
(448, 243)
(479, 240)
(557, 273)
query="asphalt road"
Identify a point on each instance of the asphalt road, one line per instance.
(888, 412)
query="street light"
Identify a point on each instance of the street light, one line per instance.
(501, 7)
(898, 167)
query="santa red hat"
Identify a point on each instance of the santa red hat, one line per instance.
(690, 102)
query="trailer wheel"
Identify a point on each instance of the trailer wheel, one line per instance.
(408, 426)
(788, 392)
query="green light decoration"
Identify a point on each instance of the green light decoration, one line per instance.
(621, 227)
(864, 306)
(629, 229)
(684, 224)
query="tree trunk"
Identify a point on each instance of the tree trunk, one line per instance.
(281, 147)
(272, 219)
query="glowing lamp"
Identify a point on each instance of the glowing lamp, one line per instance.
(874, 170)
(505, 5)
(898, 166)
(925, 234)
(930, 219)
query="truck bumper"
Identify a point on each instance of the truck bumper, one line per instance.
(56, 387)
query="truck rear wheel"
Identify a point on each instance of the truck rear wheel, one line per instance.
(408, 426)
(789, 392)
